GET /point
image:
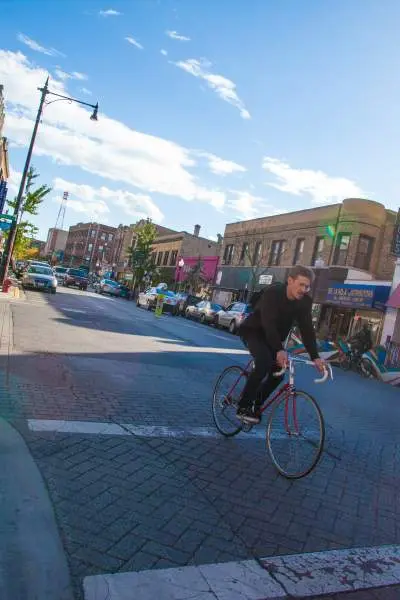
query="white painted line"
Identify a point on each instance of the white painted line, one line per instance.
(148, 431)
(74, 310)
(90, 427)
(300, 576)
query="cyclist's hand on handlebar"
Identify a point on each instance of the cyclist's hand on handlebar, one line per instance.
(282, 359)
(320, 364)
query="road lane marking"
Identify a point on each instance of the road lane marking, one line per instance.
(127, 429)
(294, 576)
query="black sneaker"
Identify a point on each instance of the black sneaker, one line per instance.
(249, 415)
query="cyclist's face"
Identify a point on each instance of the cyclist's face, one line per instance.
(298, 287)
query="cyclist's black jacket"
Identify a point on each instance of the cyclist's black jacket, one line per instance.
(274, 315)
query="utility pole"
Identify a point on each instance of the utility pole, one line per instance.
(14, 227)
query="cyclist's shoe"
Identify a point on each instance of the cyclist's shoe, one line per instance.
(249, 415)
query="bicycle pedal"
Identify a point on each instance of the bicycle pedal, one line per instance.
(246, 427)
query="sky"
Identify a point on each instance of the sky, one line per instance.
(209, 111)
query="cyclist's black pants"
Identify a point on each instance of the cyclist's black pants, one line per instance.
(264, 364)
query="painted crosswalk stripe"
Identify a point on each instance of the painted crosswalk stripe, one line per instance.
(147, 431)
(294, 576)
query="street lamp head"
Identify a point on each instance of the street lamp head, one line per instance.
(93, 116)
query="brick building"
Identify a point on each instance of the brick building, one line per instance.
(347, 242)
(124, 240)
(56, 241)
(90, 244)
(168, 248)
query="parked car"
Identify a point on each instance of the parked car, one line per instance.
(40, 278)
(232, 317)
(186, 300)
(148, 299)
(109, 286)
(60, 273)
(76, 278)
(204, 311)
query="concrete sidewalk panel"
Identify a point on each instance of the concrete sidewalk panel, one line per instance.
(32, 560)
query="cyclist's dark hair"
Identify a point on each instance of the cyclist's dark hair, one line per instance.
(300, 271)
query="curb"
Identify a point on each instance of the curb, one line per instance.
(312, 575)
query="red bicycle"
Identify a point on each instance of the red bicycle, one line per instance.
(295, 429)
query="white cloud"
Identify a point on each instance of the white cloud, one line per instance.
(220, 166)
(33, 45)
(134, 42)
(13, 183)
(322, 188)
(86, 91)
(164, 52)
(248, 206)
(223, 87)
(174, 35)
(107, 148)
(98, 200)
(110, 12)
(63, 75)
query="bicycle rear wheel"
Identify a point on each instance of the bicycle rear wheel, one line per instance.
(227, 393)
(295, 434)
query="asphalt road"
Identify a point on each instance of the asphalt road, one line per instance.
(151, 498)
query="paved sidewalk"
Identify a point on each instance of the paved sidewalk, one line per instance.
(32, 559)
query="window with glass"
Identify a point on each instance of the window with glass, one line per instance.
(364, 252)
(90, 247)
(110, 237)
(318, 249)
(166, 256)
(93, 233)
(257, 253)
(342, 249)
(244, 252)
(174, 256)
(159, 258)
(153, 257)
(299, 251)
(103, 236)
(228, 254)
(277, 250)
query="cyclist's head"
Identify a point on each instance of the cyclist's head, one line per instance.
(299, 282)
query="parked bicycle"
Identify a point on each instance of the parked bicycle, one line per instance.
(295, 429)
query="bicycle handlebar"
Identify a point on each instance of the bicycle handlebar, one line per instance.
(327, 370)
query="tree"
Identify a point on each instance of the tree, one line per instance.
(23, 240)
(33, 198)
(257, 265)
(31, 202)
(140, 252)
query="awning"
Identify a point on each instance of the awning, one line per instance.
(394, 300)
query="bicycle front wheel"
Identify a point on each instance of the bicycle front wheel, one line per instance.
(227, 393)
(295, 434)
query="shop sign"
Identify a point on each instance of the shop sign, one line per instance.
(351, 296)
(265, 279)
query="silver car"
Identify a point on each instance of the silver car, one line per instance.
(40, 277)
(232, 317)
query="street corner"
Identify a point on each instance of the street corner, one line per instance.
(29, 531)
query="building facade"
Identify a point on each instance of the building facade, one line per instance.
(56, 241)
(124, 240)
(348, 244)
(168, 249)
(92, 245)
(4, 163)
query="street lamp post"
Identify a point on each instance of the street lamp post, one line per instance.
(14, 227)
(181, 264)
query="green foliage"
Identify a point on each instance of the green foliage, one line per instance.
(32, 198)
(23, 240)
(140, 253)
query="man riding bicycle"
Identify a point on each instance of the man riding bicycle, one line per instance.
(264, 332)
